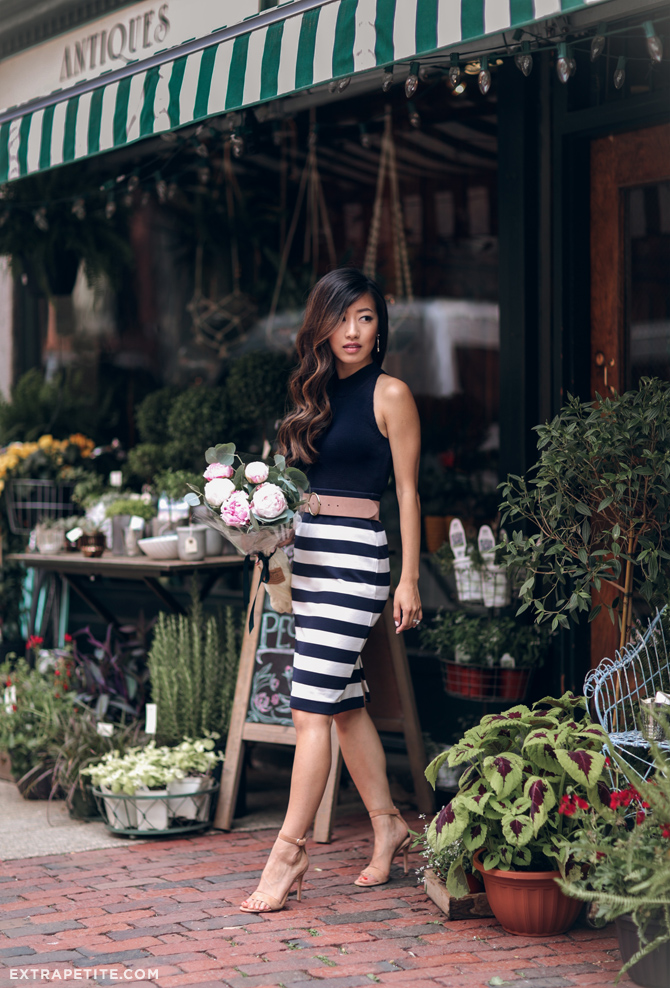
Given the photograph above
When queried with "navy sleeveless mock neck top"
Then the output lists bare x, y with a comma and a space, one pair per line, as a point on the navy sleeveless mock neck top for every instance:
354, 457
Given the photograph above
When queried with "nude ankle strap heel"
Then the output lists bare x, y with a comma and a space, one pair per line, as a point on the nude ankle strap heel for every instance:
403, 846
270, 903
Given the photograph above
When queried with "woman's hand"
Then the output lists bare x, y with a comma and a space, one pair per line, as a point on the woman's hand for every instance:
407, 610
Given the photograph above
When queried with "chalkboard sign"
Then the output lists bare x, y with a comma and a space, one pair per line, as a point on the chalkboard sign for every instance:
261, 711
273, 670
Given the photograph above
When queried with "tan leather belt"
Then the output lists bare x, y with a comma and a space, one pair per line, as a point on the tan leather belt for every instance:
344, 507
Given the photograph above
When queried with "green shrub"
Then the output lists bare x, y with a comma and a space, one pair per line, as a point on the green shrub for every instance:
152, 415
193, 667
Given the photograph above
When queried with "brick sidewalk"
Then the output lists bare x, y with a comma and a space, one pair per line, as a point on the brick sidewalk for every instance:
171, 906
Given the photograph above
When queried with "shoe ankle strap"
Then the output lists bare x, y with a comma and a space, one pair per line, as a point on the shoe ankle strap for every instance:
392, 812
298, 841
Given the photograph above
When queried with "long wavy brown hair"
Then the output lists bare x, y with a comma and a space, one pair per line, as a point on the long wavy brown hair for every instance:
311, 413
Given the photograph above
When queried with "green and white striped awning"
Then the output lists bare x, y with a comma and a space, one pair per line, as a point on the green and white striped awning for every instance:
285, 50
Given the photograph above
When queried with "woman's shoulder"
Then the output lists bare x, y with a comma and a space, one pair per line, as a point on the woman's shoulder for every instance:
393, 389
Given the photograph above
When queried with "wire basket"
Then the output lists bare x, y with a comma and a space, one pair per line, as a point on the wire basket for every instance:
31, 501
156, 813
485, 683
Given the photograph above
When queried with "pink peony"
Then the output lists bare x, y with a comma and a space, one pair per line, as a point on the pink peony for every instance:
257, 472
268, 502
218, 490
235, 511
217, 470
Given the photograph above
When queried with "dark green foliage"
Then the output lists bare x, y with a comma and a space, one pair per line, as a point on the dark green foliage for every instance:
152, 415
50, 257
198, 418
598, 497
37, 407
257, 389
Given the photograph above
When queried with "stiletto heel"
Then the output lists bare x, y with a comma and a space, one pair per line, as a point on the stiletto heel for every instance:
402, 846
272, 904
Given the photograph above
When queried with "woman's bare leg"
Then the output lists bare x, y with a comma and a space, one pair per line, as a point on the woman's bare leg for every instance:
311, 766
365, 759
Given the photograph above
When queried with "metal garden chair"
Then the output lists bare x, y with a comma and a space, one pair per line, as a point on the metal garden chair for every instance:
618, 685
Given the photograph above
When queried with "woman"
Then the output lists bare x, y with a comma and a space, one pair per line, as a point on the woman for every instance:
349, 424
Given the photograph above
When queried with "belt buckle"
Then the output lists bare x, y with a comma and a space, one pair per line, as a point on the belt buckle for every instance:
309, 504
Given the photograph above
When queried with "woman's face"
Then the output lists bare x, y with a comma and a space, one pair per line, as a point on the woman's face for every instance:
355, 338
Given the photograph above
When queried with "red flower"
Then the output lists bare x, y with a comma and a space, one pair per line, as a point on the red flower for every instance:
581, 803
639, 817
645, 805
607, 761
64, 686
666, 830
34, 641
8, 682
57, 695
600, 854
68, 639
568, 809
14, 707
56, 672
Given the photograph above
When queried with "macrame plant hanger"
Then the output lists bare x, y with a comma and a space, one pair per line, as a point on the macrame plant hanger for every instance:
388, 168
316, 222
219, 322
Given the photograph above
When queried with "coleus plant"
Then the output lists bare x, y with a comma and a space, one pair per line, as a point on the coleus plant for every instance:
525, 766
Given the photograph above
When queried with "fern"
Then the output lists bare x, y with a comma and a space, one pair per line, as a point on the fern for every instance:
193, 667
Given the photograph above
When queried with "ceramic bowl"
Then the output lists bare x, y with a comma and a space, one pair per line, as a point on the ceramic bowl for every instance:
160, 547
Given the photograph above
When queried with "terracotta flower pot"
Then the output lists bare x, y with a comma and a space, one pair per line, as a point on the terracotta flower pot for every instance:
528, 903
652, 970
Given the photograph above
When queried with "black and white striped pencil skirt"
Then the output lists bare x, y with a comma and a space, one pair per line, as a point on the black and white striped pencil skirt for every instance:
340, 585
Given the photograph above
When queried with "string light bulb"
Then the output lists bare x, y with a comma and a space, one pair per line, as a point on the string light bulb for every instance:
161, 189
598, 42
524, 60
387, 79
40, 217
110, 207
654, 44
412, 80
484, 76
454, 70
79, 209
620, 72
366, 140
414, 118
203, 175
563, 63
237, 144
133, 183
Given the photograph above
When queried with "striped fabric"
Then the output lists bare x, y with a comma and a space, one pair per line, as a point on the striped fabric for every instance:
340, 586
275, 54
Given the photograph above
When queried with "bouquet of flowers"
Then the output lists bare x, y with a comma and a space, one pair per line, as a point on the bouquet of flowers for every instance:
253, 505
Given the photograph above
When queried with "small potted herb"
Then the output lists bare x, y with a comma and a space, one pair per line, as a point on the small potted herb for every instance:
92, 542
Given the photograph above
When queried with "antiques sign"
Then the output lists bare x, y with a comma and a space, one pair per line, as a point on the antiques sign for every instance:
128, 35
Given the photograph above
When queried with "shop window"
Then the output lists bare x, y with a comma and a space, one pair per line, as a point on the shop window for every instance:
647, 264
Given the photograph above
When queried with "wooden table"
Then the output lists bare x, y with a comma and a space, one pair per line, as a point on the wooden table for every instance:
78, 572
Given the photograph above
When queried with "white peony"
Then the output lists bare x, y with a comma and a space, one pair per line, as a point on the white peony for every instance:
256, 472
217, 491
268, 502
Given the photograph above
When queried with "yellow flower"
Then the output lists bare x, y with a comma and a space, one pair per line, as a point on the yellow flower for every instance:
44, 442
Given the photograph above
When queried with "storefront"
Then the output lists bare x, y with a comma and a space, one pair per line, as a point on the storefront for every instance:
527, 152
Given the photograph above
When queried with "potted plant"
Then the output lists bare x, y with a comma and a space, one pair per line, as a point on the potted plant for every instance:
194, 762
92, 543
35, 705
597, 502
84, 744
622, 845
142, 773
526, 766
121, 511
484, 656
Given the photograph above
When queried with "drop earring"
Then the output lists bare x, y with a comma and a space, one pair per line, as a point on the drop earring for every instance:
377, 342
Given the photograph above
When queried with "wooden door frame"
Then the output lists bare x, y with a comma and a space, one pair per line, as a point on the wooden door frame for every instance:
618, 162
